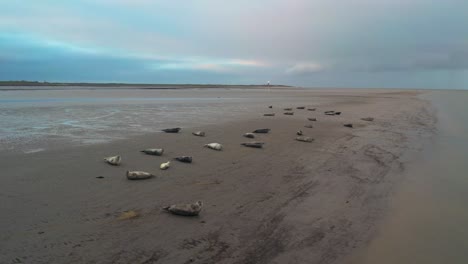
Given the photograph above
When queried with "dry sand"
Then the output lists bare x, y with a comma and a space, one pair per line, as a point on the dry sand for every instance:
290, 202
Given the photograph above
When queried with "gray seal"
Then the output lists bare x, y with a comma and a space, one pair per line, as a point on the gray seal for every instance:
139, 175
192, 209
172, 130
305, 139
261, 131
153, 151
253, 144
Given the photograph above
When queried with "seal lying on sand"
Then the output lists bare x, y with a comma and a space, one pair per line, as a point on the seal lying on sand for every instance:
215, 146
138, 175
186, 159
287, 109
114, 160
249, 135
165, 166
199, 133
269, 114
312, 119
289, 113
192, 209
153, 151
172, 130
368, 119
261, 131
300, 107
299, 133
309, 126
253, 144
348, 125
337, 113
270, 106
330, 112
311, 109
305, 139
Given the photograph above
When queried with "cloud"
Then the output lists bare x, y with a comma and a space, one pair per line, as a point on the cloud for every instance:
305, 68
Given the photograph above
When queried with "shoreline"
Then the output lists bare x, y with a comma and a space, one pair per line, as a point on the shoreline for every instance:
291, 202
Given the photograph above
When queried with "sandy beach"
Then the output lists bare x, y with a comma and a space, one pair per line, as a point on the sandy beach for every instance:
289, 202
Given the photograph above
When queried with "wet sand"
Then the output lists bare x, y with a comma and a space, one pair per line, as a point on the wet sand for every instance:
290, 202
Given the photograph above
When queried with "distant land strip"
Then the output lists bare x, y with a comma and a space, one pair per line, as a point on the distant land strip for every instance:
124, 85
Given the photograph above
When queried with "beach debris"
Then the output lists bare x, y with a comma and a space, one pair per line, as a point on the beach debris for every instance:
289, 113
138, 175
253, 144
249, 135
153, 151
311, 109
309, 126
172, 130
269, 114
299, 133
330, 112
192, 209
304, 139
198, 133
348, 125
262, 131
165, 166
287, 109
128, 215
186, 159
312, 119
114, 160
270, 106
300, 107
368, 119
215, 146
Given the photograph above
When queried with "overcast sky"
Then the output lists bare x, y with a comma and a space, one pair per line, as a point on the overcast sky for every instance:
314, 43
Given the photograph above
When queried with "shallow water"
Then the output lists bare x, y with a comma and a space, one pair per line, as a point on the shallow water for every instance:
428, 222
36, 120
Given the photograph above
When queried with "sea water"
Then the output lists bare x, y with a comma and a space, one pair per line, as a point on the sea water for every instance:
428, 219
34, 120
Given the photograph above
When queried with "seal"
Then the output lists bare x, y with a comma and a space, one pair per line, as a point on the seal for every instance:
198, 133
311, 109
300, 107
337, 113
138, 175
186, 159
269, 114
192, 209
312, 119
253, 144
287, 109
172, 130
330, 112
153, 151
215, 146
261, 131
165, 166
299, 132
368, 119
289, 113
304, 139
270, 106
114, 160
309, 126
348, 125
249, 135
